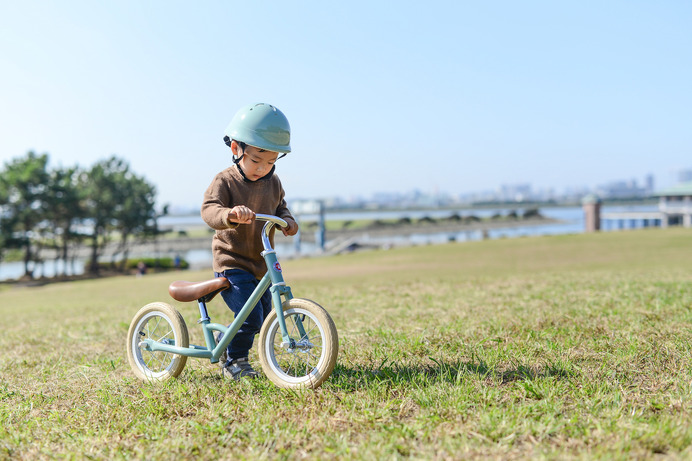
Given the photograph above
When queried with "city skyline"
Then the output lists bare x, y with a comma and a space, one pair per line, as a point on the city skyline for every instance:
516, 192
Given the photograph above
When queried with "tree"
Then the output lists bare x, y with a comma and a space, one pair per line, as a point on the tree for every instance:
64, 210
4, 217
135, 213
115, 200
23, 186
99, 186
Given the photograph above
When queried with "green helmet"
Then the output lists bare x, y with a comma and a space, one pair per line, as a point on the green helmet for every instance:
262, 126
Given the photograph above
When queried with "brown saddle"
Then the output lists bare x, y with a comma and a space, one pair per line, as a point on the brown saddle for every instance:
197, 291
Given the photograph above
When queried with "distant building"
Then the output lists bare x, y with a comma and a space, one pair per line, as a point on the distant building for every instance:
649, 184
676, 205
684, 176
623, 189
515, 192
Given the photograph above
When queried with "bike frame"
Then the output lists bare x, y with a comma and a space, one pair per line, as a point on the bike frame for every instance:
273, 280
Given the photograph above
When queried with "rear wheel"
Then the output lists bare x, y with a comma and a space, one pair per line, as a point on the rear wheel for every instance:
162, 323
316, 345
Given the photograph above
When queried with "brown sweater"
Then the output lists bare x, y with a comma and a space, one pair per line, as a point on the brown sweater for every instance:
238, 246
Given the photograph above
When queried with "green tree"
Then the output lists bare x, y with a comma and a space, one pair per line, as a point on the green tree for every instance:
100, 188
23, 186
115, 200
135, 213
4, 217
64, 210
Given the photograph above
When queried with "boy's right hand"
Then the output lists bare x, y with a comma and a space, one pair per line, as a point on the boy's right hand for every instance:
241, 215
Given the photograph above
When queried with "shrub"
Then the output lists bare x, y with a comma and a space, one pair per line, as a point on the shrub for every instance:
151, 263
532, 213
426, 219
156, 263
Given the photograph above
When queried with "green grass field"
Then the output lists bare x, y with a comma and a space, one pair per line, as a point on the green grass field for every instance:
553, 347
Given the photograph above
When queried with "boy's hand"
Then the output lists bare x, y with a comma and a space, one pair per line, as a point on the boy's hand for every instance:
241, 214
292, 228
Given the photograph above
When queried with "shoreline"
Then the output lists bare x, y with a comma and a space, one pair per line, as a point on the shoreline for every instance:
386, 234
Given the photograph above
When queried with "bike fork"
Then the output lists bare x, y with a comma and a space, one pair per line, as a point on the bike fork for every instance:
278, 289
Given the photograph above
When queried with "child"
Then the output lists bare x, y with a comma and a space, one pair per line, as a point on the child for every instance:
257, 135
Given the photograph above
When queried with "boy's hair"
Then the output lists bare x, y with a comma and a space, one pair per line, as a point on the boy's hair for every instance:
228, 141
243, 145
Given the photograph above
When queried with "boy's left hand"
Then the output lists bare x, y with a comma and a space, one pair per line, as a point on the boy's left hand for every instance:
292, 228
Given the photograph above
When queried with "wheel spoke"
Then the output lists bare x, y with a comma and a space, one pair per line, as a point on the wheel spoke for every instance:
148, 362
307, 333
158, 320
294, 327
169, 332
162, 361
293, 363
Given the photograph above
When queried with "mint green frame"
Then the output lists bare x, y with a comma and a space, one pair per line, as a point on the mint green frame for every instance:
273, 280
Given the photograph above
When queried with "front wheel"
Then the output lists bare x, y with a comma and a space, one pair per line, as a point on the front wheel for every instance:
311, 357
162, 323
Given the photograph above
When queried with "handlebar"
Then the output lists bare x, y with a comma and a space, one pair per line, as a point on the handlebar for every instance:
270, 222
271, 219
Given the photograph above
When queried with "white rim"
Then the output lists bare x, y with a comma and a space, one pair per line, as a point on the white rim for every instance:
139, 358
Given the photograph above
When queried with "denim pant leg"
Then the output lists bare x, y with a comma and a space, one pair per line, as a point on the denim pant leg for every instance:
242, 285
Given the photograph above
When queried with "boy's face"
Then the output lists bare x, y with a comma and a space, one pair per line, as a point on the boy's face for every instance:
256, 163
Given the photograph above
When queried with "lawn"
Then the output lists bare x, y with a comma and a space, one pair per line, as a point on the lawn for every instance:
574, 346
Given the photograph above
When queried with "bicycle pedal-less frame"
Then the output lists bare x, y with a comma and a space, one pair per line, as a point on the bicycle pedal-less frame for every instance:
298, 342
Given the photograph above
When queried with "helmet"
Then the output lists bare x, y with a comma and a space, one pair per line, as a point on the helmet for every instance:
262, 126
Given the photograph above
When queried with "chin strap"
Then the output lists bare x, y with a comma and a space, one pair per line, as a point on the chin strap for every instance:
242, 173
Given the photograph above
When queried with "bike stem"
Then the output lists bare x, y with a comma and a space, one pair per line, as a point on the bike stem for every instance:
278, 285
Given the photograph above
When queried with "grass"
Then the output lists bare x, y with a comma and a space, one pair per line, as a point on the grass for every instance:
572, 347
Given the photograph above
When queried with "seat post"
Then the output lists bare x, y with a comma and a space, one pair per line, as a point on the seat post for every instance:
204, 320
204, 315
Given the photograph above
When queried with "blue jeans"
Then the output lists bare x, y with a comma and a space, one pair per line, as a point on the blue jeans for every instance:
243, 284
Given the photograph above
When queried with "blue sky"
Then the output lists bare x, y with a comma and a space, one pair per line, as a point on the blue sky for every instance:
452, 96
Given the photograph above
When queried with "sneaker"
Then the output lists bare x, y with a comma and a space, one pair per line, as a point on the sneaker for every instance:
239, 368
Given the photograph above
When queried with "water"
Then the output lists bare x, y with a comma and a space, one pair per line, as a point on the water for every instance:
198, 259
571, 222
15, 269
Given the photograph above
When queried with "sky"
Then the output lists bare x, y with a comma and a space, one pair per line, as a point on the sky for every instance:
437, 96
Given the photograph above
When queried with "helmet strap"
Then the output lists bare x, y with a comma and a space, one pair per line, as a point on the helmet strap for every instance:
242, 173
241, 145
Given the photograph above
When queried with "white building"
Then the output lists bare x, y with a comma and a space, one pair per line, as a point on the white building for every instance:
676, 205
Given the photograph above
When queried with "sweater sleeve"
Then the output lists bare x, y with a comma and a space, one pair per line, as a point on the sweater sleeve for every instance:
282, 210
216, 205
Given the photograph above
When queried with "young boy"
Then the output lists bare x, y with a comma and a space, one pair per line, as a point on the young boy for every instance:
257, 135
